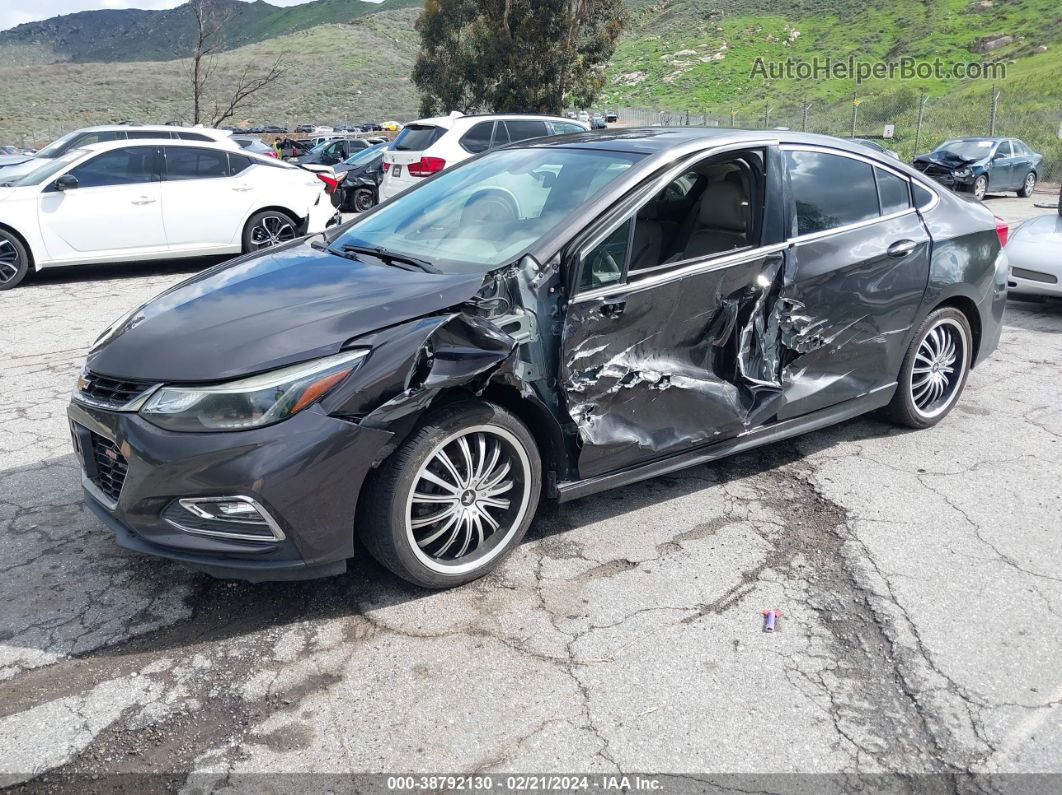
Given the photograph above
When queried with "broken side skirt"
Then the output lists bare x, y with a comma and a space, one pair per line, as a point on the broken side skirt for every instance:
875, 399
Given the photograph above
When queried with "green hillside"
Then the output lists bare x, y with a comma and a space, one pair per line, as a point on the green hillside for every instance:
139, 35
349, 72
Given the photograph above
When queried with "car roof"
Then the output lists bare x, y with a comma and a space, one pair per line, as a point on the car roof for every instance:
104, 146
153, 128
450, 121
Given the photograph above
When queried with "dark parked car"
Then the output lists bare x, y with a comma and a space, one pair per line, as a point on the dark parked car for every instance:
330, 152
545, 320
360, 177
611, 116
979, 165
274, 129
306, 128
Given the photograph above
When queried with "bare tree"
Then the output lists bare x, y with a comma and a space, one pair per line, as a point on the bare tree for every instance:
210, 24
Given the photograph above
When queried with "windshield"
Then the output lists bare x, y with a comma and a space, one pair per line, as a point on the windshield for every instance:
364, 154
485, 213
968, 150
45, 170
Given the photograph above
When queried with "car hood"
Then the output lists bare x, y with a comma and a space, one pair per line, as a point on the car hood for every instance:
945, 158
1037, 240
268, 310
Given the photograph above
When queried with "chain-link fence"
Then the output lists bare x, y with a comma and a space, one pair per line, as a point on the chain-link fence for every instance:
908, 124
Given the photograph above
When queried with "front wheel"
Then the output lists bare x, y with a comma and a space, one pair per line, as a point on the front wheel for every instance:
980, 187
934, 370
267, 229
455, 498
1028, 185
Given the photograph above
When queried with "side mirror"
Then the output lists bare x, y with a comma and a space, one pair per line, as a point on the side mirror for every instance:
66, 182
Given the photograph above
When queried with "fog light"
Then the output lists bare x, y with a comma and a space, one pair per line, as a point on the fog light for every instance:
239, 517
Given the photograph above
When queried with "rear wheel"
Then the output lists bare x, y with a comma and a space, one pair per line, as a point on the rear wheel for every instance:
267, 229
364, 200
455, 498
934, 370
1028, 185
14, 261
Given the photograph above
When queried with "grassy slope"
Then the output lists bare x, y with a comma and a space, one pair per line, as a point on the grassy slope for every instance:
348, 72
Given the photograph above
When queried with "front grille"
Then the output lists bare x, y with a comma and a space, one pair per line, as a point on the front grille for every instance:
1034, 276
936, 171
110, 467
109, 392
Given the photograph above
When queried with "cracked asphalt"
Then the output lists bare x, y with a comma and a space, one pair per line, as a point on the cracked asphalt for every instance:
917, 573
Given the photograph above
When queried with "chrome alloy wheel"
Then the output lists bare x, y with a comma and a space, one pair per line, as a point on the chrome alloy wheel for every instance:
468, 499
272, 230
10, 261
980, 187
939, 367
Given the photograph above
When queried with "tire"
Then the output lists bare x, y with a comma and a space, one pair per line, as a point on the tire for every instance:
447, 546
267, 229
980, 187
14, 261
1028, 186
926, 390
363, 201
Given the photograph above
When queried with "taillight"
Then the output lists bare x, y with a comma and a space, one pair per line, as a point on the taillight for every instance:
386, 166
426, 166
1002, 230
330, 183
271, 153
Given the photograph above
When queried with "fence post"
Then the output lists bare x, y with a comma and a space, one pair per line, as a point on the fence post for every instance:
805, 107
766, 115
921, 113
855, 113
992, 117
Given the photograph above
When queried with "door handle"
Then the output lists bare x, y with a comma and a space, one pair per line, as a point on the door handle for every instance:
144, 200
901, 248
242, 188
613, 307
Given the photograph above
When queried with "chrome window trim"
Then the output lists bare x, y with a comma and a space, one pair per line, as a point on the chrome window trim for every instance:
656, 186
694, 268
827, 150
837, 230
189, 503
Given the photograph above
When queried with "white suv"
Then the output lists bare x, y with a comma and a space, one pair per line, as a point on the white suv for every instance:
116, 132
426, 147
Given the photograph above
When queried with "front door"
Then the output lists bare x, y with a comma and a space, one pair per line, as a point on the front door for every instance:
666, 344
859, 271
115, 210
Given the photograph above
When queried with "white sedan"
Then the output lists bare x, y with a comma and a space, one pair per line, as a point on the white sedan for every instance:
163, 199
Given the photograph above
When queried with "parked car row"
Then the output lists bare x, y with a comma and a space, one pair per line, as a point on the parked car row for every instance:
124, 193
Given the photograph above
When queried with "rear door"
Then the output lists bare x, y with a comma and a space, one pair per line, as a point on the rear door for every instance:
206, 194
114, 211
860, 268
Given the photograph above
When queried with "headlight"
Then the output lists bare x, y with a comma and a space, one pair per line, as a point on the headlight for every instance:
250, 402
962, 173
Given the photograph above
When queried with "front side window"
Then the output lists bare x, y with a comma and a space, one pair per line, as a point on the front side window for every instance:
1004, 149
187, 136
188, 163
486, 212
129, 166
830, 191
604, 264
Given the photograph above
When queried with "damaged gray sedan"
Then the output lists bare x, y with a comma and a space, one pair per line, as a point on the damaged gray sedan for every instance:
544, 321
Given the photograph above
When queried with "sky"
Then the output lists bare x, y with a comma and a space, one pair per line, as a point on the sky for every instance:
15, 12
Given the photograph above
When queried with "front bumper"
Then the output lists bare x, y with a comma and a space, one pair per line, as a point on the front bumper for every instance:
307, 472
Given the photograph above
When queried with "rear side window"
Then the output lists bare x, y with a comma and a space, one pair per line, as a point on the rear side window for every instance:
923, 197
892, 192
147, 134
830, 191
238, 164
477, 139
186, 136
521, 130
188, 163
417, 137
129, 166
